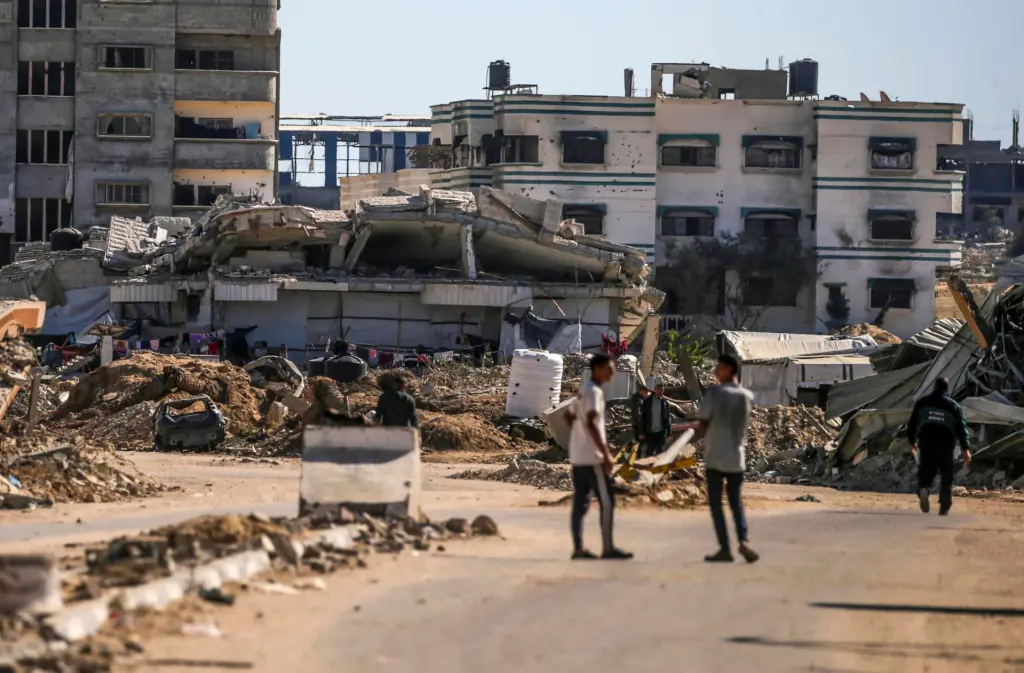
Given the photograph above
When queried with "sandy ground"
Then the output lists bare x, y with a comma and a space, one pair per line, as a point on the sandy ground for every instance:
856, 583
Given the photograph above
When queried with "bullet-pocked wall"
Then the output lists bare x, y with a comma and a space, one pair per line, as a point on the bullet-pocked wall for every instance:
879, 194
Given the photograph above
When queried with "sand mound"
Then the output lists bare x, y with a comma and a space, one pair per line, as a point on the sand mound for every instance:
462, 432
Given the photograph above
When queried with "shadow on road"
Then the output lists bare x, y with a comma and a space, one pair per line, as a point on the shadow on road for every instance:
933, 609
947, 651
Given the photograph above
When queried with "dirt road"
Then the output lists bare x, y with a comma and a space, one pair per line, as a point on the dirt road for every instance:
854, 584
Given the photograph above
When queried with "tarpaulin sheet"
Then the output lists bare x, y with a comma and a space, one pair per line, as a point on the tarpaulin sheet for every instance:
81, 309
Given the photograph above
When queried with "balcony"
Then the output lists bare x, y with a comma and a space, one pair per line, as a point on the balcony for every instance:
222, 154
242, 17
226, 85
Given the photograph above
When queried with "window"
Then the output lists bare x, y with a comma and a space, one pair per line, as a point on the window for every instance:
583, 147
894, 226
774, 230
892, 154
125, 58
47, 14
520, 150
727, 94
204, 59
766, 291
772, 154
591, 217
40, 146
198, 195
948, 225
122, 194
36, 219
689, 155
216, 124
124, 125
46, 78
687, 223
891, 292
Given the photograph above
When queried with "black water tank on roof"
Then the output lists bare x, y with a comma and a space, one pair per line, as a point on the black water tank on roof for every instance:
803, 78
346, 368
317, 367
499, 76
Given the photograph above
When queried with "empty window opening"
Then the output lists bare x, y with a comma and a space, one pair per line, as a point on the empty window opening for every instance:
125, 126
127, 58
36, 219
583, 147
687, 223
892, 227
950, 225
208, 193
40, 146
520, 149
46, 78
767, 291
47, 14
122, 193
772, 155
772, 230
591, 217
891, 293
892, 155
689, 155
198, 195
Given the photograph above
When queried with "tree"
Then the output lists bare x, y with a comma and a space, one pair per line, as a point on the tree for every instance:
432, 156
736, 276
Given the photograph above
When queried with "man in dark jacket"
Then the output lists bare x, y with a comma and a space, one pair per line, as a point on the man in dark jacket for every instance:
655, 421
935, 426
396, 407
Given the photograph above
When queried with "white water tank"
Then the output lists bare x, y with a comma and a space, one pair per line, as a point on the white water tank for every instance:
534, 384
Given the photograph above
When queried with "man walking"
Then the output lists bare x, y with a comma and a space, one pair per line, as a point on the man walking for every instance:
396, 407
656, 422
592, 461
935, 426
724, 415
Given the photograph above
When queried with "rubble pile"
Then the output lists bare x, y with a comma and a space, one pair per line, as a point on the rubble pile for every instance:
118, 400
684, 490
38, 474
525, 472
776, 429
462, 432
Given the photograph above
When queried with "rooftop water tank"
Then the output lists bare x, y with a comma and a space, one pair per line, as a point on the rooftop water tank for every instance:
499, 76
803, 78
534, 383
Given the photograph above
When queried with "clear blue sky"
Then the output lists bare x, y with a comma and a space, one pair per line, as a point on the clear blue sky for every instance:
401, 56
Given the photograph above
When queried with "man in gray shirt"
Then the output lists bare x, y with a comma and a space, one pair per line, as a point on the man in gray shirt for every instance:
724, 415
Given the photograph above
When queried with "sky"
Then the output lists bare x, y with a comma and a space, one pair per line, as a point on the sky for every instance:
405, 55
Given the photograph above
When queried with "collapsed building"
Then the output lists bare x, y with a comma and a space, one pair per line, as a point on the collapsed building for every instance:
436, 270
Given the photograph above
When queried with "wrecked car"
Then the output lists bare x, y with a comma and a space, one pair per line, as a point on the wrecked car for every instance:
190, 423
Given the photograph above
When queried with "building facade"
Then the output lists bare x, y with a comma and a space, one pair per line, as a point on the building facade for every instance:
728, 153
138, 109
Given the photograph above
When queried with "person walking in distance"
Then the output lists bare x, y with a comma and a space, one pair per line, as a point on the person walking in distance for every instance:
724, 415
396, 407
656, 421
592, 461
935, 426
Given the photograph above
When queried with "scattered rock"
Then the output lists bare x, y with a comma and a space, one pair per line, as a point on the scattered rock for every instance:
485, 526
527, 473
806, 497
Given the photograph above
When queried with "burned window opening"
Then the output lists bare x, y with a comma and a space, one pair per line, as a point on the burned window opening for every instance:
687, 223
591, 217
184, 195
837, 306
212, 129
764, 291
892, 156
579, 147
689, 156
887, 293
772, 155
520, 149
892, 227
126, 58
125, 125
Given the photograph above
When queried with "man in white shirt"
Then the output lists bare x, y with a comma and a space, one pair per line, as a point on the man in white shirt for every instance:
592, 461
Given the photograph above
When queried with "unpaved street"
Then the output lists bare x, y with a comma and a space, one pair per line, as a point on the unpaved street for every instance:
856, 583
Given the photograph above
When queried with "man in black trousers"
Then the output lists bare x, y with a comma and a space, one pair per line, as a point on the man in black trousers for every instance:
936, 424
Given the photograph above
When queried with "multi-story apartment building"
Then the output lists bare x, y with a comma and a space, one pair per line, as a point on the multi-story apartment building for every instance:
736, 151
134, 108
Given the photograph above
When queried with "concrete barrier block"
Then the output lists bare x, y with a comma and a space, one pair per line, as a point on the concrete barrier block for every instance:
230, 569
80, 621
361, 467
158, 594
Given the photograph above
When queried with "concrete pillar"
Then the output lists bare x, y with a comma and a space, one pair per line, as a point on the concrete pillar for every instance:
357, 248
468, 253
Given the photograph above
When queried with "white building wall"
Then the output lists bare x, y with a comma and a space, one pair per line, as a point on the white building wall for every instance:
848, 190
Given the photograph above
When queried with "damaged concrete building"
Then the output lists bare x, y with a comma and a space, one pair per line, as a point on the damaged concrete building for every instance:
435, 270
713, 152
138, 109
